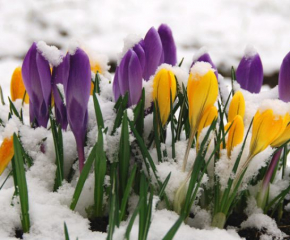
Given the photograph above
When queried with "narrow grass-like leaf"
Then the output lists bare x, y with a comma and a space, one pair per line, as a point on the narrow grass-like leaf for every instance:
172, 128
83, 177
173, 230
9, 174
124, 155
14, 111
120, 112
132, 219
98, 113
126, 194
21, 183
100, 172
97, 83
179, 65
164, 185
2, 96
139, 114
233, 78
58, 145
66, 232
157, 132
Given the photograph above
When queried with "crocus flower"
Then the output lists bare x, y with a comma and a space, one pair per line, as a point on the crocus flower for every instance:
37, 80
202, 92
250, 72
284, 79
237, 106
6, 153
157, 47
236, 134
128, 78
77, 93
207, 118
17, 88
59, 76
164, 82
203, 56
283, 138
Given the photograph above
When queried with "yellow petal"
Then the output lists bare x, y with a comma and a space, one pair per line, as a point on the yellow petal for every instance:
164, 82
237, 106
283, 138
17, 88
202, 92
207, 118
236, 134
266, 129
6, 153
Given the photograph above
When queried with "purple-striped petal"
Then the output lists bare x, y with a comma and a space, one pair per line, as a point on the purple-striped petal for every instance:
284, 79
168, 45
116, 88
138, 49
135, 79
153, 52
250, 73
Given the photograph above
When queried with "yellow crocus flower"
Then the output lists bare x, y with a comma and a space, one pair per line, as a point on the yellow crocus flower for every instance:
207, 118
17, 88
237, 106
266, 129
202, 92
236, 134
6, 153
283, 138
164, 82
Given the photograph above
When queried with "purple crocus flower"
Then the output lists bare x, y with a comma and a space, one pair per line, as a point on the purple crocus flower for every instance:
77, 93
168, 45
37, 80
59, 76
142, 60
250, 72
204, 57
284, 79
128, 78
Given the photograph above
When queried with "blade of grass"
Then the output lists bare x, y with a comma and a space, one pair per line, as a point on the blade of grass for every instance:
2, 96
21, 183
66, 232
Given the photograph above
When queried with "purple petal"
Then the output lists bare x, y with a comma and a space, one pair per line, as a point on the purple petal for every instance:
250, 73
153, 52
135, 80
138, 49
123, 73
116, 88
284, 79
78, 93
37, 81
168, 44
206, 58
60, 76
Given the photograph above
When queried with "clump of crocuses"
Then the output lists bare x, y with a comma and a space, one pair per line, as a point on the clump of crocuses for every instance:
141, 61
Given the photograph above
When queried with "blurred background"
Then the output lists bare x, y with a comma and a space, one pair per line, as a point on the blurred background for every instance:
224, 27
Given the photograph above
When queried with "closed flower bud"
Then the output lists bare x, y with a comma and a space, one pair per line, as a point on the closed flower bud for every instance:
37, 80
236, 134
237, 106
164, 82
266, 129
17, 88
284, 79
6, 153
250, 71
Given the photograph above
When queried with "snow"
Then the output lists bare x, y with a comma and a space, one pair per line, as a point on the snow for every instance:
129, 42
250, 51
50, 53
201, 68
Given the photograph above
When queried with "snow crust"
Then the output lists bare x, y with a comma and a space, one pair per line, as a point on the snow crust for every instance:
201, 68
50, 53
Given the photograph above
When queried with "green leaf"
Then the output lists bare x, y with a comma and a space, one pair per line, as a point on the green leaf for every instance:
127, 192
83, 177
14, 111
2, 96
97, 83
179, 65
100, 172
172, 127
139, 114
124, 155
132, 219
120, 112
98, 112
66, 232
21, 184
164, 185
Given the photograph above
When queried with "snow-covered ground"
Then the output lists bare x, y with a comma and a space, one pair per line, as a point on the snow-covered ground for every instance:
225, 27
